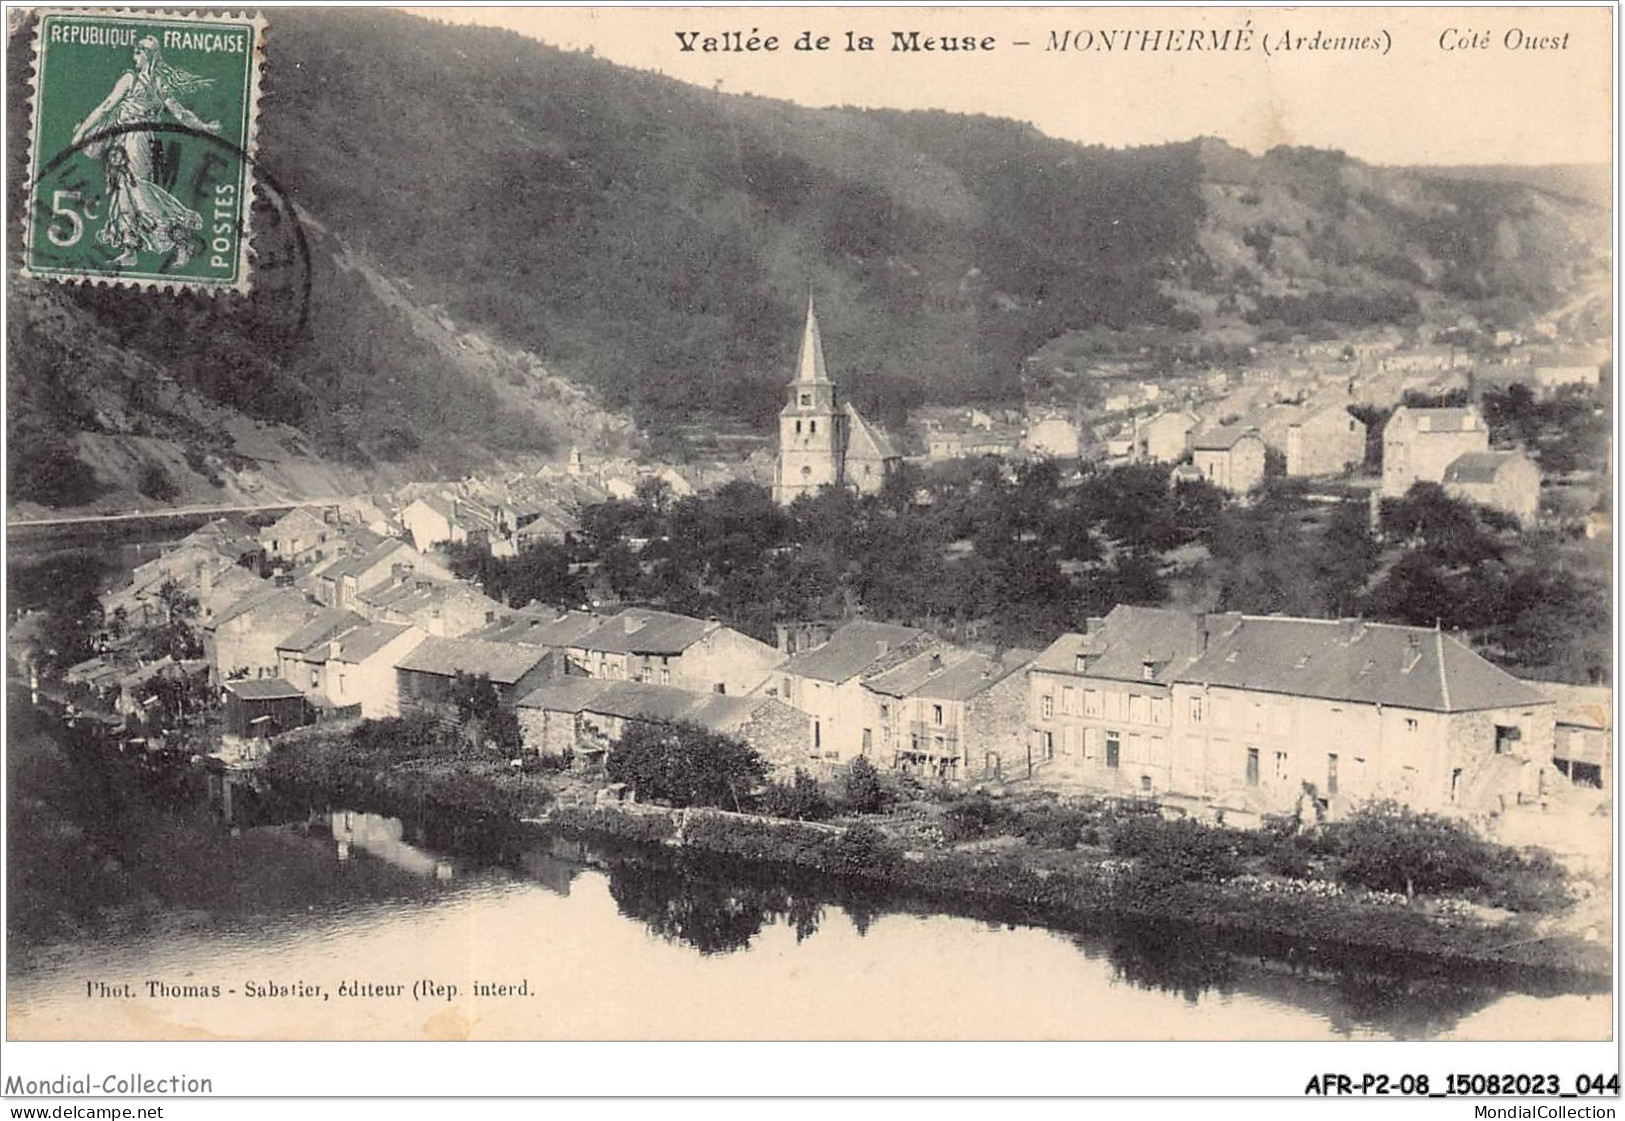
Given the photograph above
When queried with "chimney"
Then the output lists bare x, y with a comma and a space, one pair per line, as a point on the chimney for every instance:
1093, 624
936, 660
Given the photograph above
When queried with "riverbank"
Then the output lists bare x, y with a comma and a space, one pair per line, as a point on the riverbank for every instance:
1065, 887
1047, 880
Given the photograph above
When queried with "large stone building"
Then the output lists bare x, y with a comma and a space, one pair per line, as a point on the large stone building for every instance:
823, 441
1229, 458
1418, 445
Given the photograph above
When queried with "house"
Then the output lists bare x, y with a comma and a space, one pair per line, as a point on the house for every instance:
641, 644
302, 655
1231, 458
1583, 747
541, 626
1326, 441
426, 675
948, 714
1419, 444
1506, 481
1054, 436
1101, 703
295, 537
1550, 378
438, 519
587, 715
1345, 711
341, 583
361, 675
826, 683
241, 640
1166, 436
231, 537
443, 608
262, 709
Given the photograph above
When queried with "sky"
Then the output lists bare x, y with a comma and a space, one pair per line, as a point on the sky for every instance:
1445, 85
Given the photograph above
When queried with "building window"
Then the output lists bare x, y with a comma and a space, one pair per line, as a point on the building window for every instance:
1139, 709
1046, 744
1280, 766
806, 471
665, 675
1506, 739
1069, 699
818, 735
798, 428
806, 399
1114, 750
885, 713
1145, 784
1410, 724
720, 687
315, 678
812, 427
868, 740
1091, 702
936, 714
1046, 706
1252, 766
1331, 774
787, 688
1148, 671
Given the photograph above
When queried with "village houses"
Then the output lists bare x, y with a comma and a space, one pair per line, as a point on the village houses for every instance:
641, 644
296, 537
826, 682
947, 713
361, 677
1165, 437
426, 677
241, 640
302, 655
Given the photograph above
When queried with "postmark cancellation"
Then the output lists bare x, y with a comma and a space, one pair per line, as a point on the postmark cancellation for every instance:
141, 148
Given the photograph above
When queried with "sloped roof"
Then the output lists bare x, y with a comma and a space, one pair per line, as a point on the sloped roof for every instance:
267, 595
503, 662
371, 555
264, 689
320, 630
294, 519
851, 650
642, 630
528, 629
1125, 641
1223, 438
1480, 467
1364, 663
865, 440
363, 642
810, 368
1441, 420
948, 675
641, 700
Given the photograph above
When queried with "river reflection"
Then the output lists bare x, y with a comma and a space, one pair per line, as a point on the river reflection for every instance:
231, 881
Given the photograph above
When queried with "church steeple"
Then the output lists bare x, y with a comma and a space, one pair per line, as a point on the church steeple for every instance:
810, 368
812, 425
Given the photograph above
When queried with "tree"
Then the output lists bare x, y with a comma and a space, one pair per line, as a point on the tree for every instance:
481, 711
653, 492
686, 764
861, 789
1389, 847
174, 635
800, 799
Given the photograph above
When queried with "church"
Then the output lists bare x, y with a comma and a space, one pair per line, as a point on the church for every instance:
824, 441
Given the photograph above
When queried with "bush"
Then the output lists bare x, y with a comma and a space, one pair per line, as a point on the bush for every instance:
686, 765
1169, 852
971, 818
156, 484
861, 791
862, 850
799, 799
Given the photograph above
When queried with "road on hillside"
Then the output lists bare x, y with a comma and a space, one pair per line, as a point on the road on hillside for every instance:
176, 512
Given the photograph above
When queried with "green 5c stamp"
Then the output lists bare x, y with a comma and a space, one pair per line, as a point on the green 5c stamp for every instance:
141, 143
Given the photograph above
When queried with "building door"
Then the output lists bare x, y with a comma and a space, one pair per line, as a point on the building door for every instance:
1252, 766
1114, 749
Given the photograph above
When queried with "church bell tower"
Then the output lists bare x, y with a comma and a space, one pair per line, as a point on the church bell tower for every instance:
812, 425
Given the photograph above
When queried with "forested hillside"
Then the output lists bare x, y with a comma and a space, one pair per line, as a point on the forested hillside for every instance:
656, 243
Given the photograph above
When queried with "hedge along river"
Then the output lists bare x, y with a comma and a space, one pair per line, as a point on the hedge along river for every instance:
315, 921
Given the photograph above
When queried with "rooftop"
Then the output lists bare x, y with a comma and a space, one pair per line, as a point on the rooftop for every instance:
1480, 467
263, 689
315, 635
1120, 646
851, 650
642, 630
1221, 439
363, 642
503, 662
1356, 661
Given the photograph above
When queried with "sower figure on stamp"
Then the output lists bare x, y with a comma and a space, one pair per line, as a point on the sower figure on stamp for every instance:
141, 215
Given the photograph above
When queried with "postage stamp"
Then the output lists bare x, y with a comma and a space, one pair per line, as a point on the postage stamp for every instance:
141, 143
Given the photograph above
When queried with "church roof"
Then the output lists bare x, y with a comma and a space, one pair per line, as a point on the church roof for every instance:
865, 440
810, 363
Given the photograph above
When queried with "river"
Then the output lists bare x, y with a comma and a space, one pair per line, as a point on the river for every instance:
128, 874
